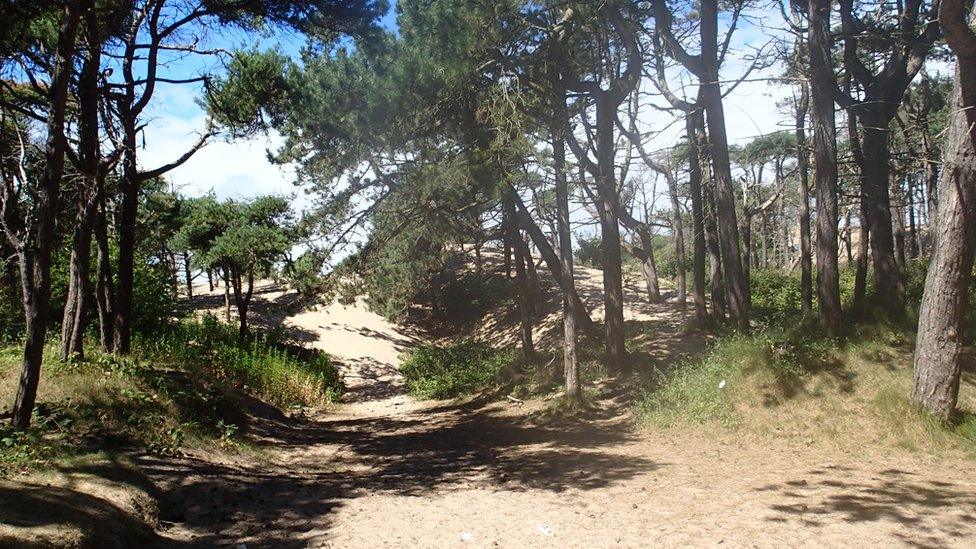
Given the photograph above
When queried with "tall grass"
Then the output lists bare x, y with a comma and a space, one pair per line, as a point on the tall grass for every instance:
267, 366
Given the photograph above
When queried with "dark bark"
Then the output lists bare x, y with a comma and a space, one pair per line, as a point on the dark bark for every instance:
35, 261
88, 194
188, 275
939, 343
822, 84
861, 272
803, 167
570, 362
226, 293
514, 237
242, 298
552, 261
884, 91
736, 282
104, 285
697, 222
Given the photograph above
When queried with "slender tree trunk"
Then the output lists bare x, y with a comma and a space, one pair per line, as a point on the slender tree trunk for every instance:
521, 282
210, 281
613, 298
679, 243
938, 349
242, 300
129, 184
697, 221
104, 286
864, 232
714, 256
898, 226
188, 274
35, 261
88, 195
79, 269
570, 363
822, 84
736, 281
568, 285
645, 253
227, 294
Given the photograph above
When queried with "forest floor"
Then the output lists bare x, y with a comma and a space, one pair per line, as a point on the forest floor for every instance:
383, 469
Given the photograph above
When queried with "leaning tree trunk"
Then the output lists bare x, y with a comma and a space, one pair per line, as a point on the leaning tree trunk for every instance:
35, 260
553, 262
941, 318
938, 348
822, 84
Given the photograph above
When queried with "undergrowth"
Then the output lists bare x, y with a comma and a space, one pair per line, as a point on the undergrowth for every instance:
186, 386
797, 385
456, 369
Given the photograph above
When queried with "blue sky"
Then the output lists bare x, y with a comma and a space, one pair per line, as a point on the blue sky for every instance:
241, 168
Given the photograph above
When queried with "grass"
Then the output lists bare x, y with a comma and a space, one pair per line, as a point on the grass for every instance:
799, 387
187, 386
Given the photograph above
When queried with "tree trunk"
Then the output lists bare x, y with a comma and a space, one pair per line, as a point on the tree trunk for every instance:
129, 184
79, 269
88, 196
822, 84
679, 243
613, 292
188, 274
35, 261
888, 285
697, 220
104, 285
861, 272
717, 287
521, 281
736, 282
227, 294
570, 363
939, 343
567, 285
645, 253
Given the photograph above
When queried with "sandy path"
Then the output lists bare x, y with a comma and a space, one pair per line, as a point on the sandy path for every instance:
385, 471
365, 345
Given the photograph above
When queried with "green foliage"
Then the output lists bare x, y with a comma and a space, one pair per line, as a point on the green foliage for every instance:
589, 252
776, 294
455, 369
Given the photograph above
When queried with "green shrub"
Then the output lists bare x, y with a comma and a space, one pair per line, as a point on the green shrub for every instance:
590, 252
448, 371
775, 294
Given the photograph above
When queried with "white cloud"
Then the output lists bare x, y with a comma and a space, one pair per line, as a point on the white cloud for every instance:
234, 169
